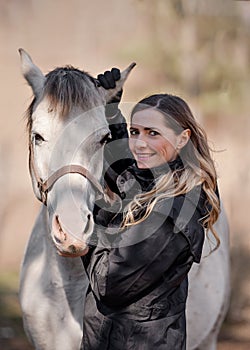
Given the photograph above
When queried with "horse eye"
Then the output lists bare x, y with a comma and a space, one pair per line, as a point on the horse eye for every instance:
105, 139
38, 139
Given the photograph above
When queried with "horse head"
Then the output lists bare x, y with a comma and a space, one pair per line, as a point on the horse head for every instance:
67, 131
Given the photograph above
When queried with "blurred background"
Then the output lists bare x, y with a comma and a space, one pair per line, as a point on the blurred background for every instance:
197, 49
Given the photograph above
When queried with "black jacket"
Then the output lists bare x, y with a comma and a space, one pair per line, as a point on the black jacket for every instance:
138, 276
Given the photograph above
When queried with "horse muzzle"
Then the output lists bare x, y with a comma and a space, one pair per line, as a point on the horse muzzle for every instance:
68, 245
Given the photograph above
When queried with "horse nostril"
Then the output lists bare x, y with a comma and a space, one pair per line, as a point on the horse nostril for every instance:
59, 235
88, 223
57, 240
73, 249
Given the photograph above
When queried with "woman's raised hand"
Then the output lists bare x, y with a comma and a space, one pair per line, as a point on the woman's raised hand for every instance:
108, 81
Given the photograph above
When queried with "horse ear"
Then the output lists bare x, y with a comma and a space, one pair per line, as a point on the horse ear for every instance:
31, 73
108, 94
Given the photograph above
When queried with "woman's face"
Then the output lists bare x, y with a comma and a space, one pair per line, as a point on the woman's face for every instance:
151, 141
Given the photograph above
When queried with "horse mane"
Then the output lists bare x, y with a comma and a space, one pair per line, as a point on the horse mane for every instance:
65, 88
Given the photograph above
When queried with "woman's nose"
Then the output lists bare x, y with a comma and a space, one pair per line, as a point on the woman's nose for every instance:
140, 143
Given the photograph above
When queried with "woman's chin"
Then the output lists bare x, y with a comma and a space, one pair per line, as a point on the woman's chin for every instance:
142, 165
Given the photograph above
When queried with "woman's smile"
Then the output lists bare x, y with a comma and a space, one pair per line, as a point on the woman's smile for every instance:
144, 155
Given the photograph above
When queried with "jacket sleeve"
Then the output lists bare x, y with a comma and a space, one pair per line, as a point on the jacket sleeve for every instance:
142, 255
187, 212
117, 154
117, 148
118, 126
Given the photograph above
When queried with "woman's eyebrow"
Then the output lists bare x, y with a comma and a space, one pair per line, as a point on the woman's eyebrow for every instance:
145, 128
151, 128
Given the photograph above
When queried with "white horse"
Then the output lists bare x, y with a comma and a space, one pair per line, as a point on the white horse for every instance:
67, 129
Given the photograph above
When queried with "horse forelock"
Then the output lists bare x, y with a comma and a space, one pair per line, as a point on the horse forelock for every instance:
66, 88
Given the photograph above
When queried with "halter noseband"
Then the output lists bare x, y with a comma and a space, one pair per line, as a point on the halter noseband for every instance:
45, 186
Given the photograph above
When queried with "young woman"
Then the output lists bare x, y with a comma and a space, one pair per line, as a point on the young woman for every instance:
138, 268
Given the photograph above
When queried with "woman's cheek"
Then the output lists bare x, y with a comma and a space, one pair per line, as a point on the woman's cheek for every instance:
131, 143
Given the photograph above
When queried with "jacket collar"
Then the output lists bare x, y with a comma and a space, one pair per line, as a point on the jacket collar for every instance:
146, 177
150, 175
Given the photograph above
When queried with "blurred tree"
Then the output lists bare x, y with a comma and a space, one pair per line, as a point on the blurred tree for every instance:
199, 46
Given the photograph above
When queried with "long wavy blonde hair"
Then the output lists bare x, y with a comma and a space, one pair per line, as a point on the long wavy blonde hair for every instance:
198, 168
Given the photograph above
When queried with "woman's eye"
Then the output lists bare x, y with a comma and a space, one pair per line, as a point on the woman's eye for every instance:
38, 139
105, 139
153, 133
133, 132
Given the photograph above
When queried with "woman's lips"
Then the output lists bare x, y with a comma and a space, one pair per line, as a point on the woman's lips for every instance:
144, 156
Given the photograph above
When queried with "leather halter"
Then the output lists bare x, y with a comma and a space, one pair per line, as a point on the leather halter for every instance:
45, 186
